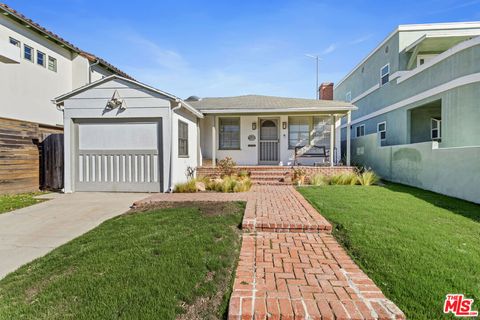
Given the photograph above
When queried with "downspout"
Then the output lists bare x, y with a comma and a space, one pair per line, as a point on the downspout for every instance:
170, 187
90, 70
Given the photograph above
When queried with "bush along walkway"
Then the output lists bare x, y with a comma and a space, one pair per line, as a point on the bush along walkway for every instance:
290, 266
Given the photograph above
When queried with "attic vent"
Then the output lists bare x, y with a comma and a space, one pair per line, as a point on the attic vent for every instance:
193, 98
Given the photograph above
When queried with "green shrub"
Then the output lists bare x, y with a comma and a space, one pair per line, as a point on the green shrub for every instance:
319, 179
243, 174
345, 178
226, 166
243, 185
186, 187
368, 178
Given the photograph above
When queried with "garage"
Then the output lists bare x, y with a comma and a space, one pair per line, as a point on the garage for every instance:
123, 136
118, 156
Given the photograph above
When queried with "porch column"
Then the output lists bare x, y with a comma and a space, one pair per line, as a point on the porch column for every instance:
349, 124
214, 141
332, 139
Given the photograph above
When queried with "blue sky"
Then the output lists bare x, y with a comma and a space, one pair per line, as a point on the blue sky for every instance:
230, 47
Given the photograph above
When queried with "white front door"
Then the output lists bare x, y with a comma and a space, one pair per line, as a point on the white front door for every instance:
269, 136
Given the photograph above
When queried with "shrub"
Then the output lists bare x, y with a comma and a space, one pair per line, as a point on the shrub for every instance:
243, 174
319, 179
242, 185
188, 186
368, 178
226, 167
345, 178
299, 176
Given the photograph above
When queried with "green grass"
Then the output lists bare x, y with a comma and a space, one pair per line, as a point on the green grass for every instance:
416, 245
146, 265
17, 201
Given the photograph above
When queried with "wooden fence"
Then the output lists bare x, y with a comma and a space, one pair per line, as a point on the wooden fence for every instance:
21, 155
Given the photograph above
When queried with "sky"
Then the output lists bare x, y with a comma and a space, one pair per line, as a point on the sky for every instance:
235, 47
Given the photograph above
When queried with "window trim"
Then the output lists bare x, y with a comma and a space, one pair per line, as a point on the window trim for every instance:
239, 133
384, 130
439, 129
56, 64
32, 53
181, 155
348, 96
356, 130
386, 75
44, 56
17, 42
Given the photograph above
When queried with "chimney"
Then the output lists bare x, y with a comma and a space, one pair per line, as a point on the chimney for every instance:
325, 92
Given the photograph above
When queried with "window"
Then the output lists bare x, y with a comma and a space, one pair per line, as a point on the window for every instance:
15, 42
229, 133
298, 131
40, 58
436, 129
52, 64
348, 96
382, 130
28, 53
182, 139
384, 74
360, 131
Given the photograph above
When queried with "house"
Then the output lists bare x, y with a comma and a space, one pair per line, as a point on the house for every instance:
122, 135
418, 96
35, 65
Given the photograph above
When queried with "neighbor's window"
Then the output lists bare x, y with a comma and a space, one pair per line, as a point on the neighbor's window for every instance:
40, 58
182, 139
229, 133
436, 129
52, 64
28, 53
360, 131
298, 131
348, 96
382, 130
15, 42
384, 74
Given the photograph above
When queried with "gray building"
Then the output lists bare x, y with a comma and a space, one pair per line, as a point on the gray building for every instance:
418, 96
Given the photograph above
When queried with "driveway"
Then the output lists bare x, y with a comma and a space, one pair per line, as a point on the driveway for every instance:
31, 232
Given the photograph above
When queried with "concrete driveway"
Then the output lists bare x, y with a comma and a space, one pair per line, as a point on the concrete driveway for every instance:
31, 232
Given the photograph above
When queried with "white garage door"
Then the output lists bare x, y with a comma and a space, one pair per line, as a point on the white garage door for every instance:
118, 156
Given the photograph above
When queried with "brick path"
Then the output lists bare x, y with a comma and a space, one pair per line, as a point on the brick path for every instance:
290, 267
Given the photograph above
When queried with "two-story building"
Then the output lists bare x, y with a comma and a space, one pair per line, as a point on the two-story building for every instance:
418, 114
36, 65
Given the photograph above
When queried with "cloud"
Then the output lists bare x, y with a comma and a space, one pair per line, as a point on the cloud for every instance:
360, 39
330, 49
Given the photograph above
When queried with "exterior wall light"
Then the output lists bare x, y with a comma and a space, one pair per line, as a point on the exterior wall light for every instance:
284, 125
254, 126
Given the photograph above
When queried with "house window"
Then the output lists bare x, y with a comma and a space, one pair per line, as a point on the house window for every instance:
28, 53
360, 131
298, 131
436, 129
382, 130
229, 134
40, 58
348, 96
182, 139
384, 74
15, 42
52, 64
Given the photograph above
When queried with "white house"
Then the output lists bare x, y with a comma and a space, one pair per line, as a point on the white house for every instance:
122, 135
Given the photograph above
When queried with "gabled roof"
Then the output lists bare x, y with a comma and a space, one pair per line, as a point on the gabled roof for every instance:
29, 23
58, 100
259, 103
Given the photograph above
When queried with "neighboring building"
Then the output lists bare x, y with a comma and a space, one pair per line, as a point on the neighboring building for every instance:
35, 66
122, 135
418, 114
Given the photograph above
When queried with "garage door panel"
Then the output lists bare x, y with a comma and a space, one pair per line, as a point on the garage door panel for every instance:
103, 168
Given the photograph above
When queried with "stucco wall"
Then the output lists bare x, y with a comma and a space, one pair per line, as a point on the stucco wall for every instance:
450, 171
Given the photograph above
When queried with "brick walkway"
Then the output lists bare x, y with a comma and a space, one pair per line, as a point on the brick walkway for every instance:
290, 267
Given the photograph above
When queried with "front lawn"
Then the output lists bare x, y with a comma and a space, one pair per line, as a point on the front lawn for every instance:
164, 263
17, 201
416, 245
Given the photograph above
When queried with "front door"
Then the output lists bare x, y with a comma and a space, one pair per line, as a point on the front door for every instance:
268, 141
